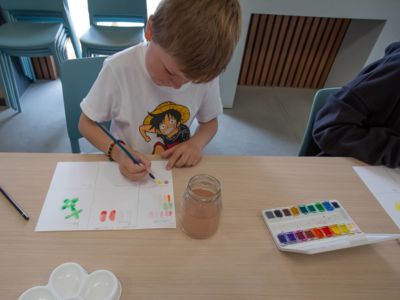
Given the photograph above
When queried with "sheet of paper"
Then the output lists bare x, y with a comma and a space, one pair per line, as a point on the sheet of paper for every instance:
384, 184
95, 196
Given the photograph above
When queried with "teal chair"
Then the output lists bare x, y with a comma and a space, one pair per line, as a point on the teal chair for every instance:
308, 147
78, 76
107, 40
23, 39
42, 11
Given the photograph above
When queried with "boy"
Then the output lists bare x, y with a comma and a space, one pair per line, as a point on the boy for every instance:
362, 120
190, 42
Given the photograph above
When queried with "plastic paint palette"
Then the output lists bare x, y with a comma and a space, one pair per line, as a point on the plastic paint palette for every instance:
70, 281
317, 227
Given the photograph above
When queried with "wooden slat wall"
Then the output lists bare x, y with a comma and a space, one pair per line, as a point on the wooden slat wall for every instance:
291, 51
44, 67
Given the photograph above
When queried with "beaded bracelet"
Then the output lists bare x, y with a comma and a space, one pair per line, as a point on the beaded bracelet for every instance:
111, 147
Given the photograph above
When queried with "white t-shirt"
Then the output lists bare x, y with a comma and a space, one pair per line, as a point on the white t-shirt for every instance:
139, 109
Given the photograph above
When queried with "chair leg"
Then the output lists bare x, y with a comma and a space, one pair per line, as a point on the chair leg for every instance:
75, 44
75, 146
85, 51
59, 51
69, 27
64, 49
27, 68
10, 85
9, 101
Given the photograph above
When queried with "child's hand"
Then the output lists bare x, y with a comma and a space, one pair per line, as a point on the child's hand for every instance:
128, 168
186, 154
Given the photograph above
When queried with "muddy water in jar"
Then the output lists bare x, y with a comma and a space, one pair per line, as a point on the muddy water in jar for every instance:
201, 207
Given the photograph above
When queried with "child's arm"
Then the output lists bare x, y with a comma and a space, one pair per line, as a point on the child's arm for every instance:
189, 153
101, 141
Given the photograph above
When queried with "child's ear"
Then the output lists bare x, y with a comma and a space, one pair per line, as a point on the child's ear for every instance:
148, 33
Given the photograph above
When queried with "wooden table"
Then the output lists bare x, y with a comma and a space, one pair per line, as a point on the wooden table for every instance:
240, 262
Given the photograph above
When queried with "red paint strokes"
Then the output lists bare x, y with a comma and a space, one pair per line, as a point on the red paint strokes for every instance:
112, 215
103, 216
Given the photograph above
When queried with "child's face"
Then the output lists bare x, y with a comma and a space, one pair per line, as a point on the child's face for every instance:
163, 69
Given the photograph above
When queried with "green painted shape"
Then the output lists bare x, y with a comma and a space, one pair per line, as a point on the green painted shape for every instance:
70, 203
74, 214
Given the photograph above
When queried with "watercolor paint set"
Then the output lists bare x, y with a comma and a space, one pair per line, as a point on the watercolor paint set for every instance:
317, 227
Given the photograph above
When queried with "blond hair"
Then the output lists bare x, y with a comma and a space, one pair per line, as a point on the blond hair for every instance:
200, 34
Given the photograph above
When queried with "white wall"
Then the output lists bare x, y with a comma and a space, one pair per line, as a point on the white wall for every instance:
355, 51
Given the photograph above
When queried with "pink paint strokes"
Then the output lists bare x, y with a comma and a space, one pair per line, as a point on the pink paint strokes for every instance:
166, 209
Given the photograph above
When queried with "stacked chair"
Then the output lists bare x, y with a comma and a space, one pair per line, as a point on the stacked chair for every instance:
33, 29
107, 40
43, 11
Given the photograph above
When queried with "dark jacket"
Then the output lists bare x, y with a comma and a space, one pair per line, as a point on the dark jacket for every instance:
362, 120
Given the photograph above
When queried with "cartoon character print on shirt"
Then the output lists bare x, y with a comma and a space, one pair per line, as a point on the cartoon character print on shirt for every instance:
167, 122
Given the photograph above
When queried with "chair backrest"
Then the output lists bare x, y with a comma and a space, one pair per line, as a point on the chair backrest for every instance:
308, 146
78, 76
117, 11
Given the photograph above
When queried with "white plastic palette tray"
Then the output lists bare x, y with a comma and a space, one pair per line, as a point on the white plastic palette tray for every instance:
70, 281
317, 227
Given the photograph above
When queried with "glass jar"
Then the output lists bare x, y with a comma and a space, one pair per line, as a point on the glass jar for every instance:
201, 207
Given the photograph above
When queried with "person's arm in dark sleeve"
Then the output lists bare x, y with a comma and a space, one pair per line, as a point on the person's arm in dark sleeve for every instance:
362, 120
342, 128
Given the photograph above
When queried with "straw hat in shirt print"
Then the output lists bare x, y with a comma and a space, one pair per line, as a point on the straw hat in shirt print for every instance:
167, 122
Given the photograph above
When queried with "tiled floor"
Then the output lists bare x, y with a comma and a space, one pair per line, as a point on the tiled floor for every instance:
264, 121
